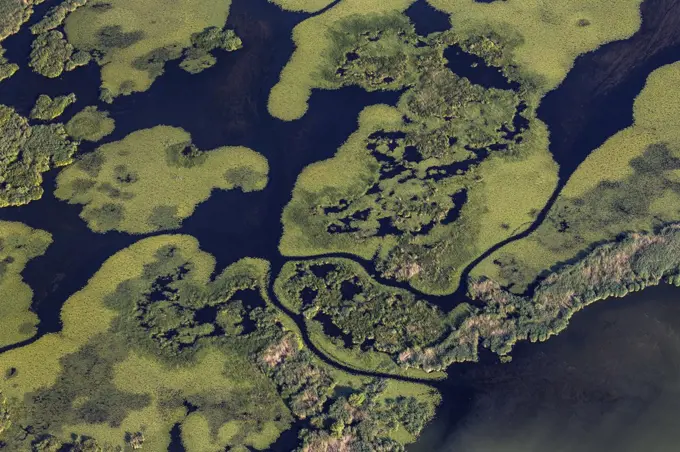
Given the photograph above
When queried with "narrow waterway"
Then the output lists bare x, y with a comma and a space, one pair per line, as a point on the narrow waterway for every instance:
226, 105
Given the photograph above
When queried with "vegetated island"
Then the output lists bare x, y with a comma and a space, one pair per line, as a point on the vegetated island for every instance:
155, 339
27, 151
153, 179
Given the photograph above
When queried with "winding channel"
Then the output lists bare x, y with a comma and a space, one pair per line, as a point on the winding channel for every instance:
228, 107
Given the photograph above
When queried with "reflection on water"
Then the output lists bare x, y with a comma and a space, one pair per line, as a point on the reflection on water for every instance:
610, 382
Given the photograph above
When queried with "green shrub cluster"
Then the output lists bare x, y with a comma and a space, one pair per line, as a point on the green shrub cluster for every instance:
199, 56
47, 109
391, 320
13, 14
25, 153
7, 69
364, 420
51, 55
614, 269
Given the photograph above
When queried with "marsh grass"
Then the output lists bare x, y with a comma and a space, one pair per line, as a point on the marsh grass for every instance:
628, 184
504, 192
18, 245
97, 380
90, 124
94, 28
548, 36
153, 179
288, 99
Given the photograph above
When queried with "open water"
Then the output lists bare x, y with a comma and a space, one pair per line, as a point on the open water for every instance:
610, 379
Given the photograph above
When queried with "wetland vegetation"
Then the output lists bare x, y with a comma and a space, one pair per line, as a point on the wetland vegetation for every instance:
440, 228
125, 189
27, 151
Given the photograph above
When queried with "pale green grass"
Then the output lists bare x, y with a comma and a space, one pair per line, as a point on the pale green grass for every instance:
135, 186
162, 24
18, 245
308, 6
289, 97
212, 380
552, 34
351, 171
584, 202
84, 315
90, 124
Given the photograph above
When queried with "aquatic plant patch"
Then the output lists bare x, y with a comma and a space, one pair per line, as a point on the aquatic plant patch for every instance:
153, 179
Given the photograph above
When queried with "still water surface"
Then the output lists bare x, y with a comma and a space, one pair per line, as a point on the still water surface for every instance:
610, 382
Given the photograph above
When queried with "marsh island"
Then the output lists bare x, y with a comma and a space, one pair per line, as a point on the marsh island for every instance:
282, 224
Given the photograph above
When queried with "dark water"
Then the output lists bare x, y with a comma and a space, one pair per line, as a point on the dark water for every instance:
427, 19
488, 406
595, 101
610, 382
598, 93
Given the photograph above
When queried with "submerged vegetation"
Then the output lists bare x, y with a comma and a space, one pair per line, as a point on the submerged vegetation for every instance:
25, 153
153, 179
47, 109
90, 124
18, 245
132, 50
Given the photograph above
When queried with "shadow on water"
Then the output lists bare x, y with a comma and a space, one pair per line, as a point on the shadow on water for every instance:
611, 381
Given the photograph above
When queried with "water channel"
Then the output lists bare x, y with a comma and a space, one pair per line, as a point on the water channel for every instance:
614, 368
